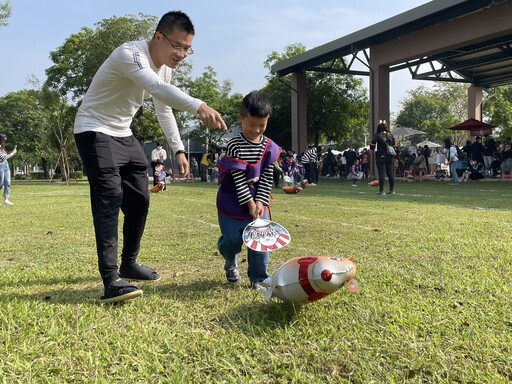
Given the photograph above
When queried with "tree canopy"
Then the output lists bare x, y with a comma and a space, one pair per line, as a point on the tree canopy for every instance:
434, 110
5, 13
337, 105
77, 60
498, 108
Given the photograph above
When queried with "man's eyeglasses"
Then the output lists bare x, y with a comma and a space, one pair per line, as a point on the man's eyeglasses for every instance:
181, 50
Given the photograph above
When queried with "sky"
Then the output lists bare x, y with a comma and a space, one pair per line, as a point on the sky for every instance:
233, 37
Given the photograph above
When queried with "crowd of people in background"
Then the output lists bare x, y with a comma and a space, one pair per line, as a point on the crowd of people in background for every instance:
479, 159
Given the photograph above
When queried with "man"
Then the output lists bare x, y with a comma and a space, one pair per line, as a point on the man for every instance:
113, 158
450, 151
427, 152
476, 150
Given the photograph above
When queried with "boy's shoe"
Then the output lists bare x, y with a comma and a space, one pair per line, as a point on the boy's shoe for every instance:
391, 192
120, 290
381, 193
233, 276
138, 272
7, 202
262, 285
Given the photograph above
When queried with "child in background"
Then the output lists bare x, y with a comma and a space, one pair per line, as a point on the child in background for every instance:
246, 179
160, 175
355, 173
289, 168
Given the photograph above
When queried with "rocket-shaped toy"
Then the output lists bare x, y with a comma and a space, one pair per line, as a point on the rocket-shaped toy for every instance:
303, 280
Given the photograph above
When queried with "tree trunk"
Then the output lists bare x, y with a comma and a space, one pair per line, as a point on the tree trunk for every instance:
64, 166
46, 171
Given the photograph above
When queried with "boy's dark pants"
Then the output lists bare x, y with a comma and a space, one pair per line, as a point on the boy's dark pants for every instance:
116, 168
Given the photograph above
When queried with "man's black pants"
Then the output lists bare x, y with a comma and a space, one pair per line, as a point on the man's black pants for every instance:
116, 168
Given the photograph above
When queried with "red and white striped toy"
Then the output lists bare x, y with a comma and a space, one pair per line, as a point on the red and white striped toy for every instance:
303, 280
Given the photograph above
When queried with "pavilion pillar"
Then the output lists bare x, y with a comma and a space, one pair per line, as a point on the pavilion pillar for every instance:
379, 99
475, 102
299, 112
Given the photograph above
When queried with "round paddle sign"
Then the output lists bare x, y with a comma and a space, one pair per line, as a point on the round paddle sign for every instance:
265, 236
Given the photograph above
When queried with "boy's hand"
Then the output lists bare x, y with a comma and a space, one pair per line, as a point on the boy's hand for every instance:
260, 209
256, 209
252, 209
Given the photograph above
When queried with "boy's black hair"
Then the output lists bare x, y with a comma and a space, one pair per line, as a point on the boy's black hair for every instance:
257, 104
175, 19
3, 139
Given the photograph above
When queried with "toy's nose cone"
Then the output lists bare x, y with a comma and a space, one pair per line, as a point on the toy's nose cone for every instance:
326, 275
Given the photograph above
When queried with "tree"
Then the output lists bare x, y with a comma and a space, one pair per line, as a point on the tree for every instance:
218, 95
5, 13
337, 105
429, 110
22, 119
78, 59
58, 124
498, 108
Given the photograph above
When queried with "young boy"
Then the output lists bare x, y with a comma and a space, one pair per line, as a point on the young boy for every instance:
246, 179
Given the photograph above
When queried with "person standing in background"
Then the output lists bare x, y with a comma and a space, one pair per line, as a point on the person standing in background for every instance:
450, 151
384, 161
5, 171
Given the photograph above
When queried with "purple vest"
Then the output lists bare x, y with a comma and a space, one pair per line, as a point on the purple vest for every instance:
227, 199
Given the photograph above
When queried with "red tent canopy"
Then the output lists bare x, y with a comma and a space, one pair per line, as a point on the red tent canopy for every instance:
471, 124
476, 127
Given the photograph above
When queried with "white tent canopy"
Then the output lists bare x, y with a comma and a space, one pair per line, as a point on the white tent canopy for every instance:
406, 131
429, 143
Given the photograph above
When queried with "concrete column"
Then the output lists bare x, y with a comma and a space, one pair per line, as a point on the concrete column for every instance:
379, 99
299, 112
475, 100
379, 96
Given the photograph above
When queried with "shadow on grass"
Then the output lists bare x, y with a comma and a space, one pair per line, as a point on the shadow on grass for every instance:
256, 317
58, 296
50, 281
257, 312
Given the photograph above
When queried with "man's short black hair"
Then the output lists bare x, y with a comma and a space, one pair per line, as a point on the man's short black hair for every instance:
175, 19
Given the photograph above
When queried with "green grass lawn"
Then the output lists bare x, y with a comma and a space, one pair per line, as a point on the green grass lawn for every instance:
434, 270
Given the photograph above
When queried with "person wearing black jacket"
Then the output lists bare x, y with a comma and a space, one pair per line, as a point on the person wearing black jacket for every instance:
384, 161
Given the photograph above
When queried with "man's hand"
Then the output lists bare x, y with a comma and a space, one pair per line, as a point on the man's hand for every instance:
183, 167
210, 117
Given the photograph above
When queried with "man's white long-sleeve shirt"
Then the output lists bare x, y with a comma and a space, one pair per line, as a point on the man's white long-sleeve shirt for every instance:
119, 88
